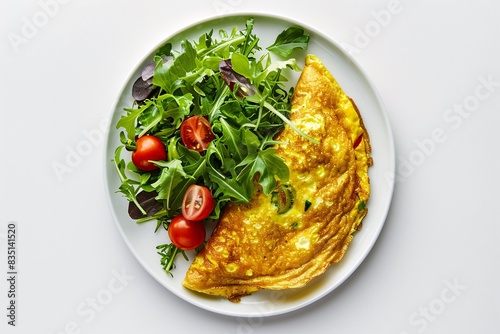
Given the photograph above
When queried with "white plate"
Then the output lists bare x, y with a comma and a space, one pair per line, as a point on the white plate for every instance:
141, 239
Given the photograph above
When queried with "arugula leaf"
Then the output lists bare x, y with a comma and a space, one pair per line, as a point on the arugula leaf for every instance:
232, 111
186, 155
164, 50
289, 40
251, 40
250, 140
127, 185
232, 138
171, 175
149, 119
228, 188
166, 73
276, 67
223, 47
129, 120
168, 253
175, 107
269, 166
242, 65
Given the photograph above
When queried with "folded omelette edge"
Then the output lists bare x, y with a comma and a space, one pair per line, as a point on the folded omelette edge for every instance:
254, 247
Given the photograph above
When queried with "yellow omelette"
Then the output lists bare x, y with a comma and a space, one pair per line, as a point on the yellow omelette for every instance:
286, 239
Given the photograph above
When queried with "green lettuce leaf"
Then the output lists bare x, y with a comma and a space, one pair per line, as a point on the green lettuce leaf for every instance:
289, 40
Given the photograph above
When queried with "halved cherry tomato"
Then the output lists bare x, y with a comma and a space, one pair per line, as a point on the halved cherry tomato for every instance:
197, 203
148, 148
196, 133
186, 234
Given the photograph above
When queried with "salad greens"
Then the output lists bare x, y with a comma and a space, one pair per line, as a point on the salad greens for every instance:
241, 91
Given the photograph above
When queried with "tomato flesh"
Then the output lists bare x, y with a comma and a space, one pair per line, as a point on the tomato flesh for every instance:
196, 133
186, 234
148, 148
197, 203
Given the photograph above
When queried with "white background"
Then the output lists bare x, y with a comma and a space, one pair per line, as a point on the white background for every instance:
434, 268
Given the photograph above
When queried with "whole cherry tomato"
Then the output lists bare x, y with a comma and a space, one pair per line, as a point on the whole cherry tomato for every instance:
186, 234
148, 148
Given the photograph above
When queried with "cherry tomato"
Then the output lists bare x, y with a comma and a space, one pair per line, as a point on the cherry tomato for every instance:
196, 133
186, 234
197, 203
148, 148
